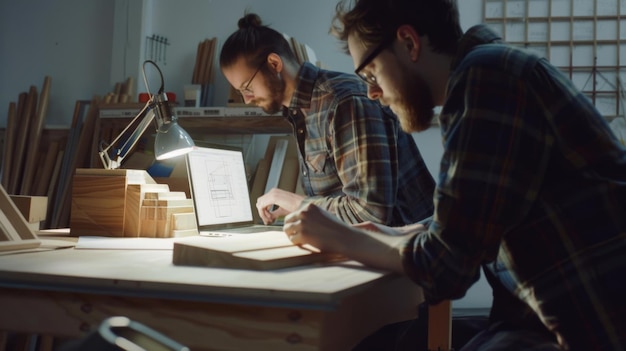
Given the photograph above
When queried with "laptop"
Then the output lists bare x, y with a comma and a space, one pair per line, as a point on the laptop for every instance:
219, 188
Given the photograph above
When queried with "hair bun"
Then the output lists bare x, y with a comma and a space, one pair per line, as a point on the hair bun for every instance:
249, 20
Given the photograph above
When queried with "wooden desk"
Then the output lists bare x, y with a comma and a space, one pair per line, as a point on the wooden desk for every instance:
69, 292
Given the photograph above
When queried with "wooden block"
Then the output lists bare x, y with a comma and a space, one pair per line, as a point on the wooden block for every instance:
164, 211
180, 233
33, 208
184, 221
260, 251
135, 194
99, 200
176, 184
14, 230
147, 226
166, 195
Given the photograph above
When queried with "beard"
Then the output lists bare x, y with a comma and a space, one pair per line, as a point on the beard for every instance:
415, 106
276, 87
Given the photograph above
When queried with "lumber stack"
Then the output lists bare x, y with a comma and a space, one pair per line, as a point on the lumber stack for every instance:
203, 70
122, 93
74, 153
36, 161
21, 156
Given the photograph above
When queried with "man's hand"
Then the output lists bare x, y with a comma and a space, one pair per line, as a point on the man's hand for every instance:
378, 248
286, 201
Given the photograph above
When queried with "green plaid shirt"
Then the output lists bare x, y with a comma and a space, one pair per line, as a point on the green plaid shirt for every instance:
355, 161
533, 188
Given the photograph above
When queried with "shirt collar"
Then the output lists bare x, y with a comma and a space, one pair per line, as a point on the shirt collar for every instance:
476, 35
305, 82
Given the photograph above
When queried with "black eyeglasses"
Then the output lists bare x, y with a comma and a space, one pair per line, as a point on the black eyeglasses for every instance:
246, 90
368, 78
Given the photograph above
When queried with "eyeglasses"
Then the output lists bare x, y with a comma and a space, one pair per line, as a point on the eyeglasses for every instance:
369, 78
246, 90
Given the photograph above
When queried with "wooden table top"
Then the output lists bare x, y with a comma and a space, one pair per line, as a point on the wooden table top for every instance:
151, 273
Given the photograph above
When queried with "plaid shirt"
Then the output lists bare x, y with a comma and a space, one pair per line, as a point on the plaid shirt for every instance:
355, 161
533, 188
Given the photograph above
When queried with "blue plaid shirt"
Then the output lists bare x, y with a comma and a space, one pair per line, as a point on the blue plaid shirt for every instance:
355, 161
533, 188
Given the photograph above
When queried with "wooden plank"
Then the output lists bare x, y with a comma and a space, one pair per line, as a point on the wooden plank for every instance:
14, 230
259, 251
258, 186
440, 326
45, 176
204, 54
9, 141
62, 180
32, 146
208, 78
76, 159
196, 66
22, 128
86, 134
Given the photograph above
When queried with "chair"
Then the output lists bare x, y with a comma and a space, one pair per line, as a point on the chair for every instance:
122, 334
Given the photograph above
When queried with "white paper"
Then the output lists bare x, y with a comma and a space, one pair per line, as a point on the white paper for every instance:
109, 243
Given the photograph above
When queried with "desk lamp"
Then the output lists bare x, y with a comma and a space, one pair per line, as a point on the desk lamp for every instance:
171, 139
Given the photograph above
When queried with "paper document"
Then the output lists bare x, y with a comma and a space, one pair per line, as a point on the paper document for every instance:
108, 243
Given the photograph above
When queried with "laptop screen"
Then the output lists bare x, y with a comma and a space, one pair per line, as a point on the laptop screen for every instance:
219, 187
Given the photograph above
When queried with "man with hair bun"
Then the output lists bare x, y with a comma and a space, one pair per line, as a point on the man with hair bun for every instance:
354, 159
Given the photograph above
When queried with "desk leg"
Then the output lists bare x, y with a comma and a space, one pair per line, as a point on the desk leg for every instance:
4, 336
440, 326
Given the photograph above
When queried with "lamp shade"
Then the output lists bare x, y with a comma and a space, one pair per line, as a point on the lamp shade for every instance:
171, 141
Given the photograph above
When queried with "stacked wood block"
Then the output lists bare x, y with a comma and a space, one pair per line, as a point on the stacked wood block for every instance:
154, 211
128, 203
33, 208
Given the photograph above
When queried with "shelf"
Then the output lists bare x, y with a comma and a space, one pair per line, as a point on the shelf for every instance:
216, 125
205, 120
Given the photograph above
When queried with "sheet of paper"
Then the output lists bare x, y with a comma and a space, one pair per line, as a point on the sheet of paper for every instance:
109, 243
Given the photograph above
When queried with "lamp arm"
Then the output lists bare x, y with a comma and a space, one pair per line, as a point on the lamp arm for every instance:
171, 140
147, 112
